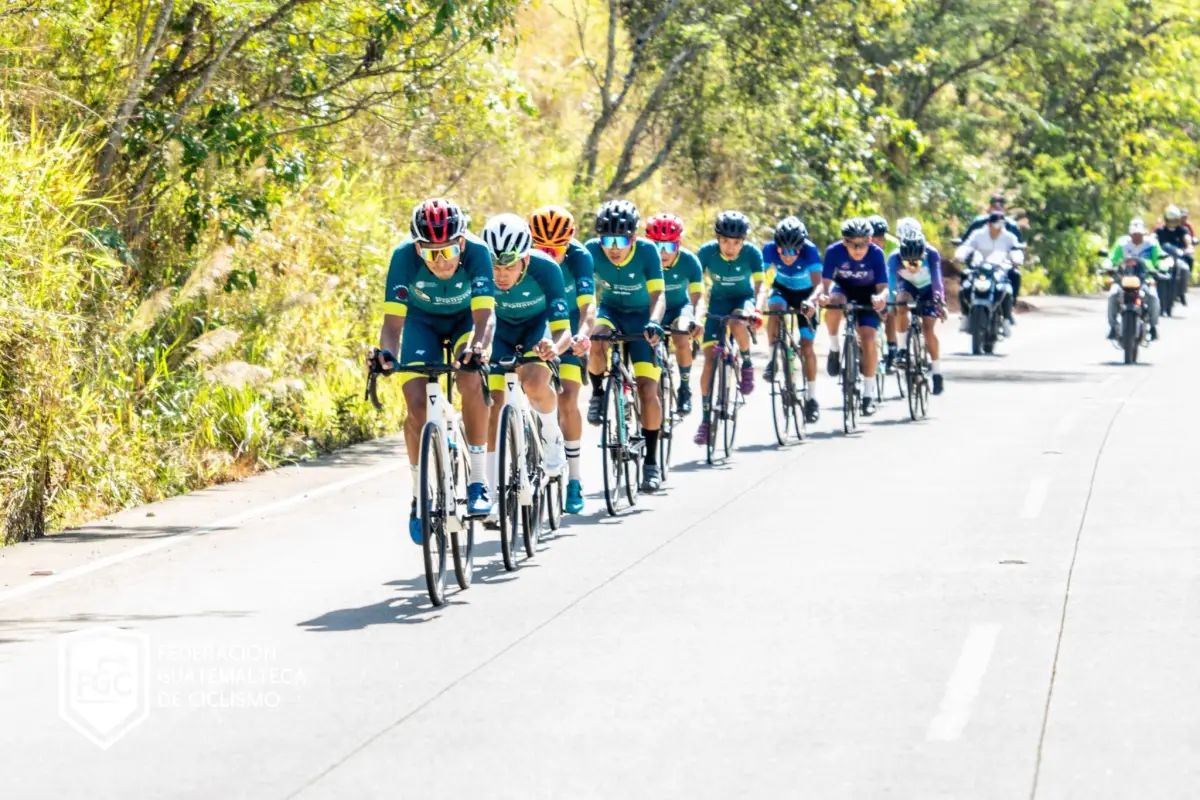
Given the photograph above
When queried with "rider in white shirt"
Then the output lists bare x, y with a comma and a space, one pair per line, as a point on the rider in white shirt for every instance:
993, 238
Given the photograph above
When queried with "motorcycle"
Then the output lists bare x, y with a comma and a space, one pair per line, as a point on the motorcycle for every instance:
1180, 276
985, 287
1133, 330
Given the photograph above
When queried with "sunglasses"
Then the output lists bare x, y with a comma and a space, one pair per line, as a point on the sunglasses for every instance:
439, 253
789, 251
553, 252
857, 244
615, 242
506, 259
667, 248
913, 262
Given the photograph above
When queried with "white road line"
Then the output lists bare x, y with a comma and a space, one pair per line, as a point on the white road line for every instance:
955, 709
224, 522
1036, 497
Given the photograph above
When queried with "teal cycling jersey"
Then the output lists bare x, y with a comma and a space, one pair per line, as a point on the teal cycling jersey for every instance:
579, 276
682, 278
410, 283
538, 293
731, 279
627, 286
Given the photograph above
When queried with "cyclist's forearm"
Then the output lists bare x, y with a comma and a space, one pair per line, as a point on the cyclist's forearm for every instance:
657, 306
485, 326
587, 319
562, 340
389, 333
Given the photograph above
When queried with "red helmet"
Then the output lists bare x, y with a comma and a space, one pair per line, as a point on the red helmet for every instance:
437, 221
664, 228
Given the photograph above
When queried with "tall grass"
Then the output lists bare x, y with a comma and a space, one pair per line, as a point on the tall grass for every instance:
109, 397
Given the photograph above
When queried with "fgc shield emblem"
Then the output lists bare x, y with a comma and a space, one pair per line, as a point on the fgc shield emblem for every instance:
104, 682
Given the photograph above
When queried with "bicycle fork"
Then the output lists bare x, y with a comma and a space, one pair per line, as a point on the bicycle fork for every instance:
515, 397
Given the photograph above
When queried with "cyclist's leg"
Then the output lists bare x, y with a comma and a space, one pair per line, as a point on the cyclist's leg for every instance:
475, 418
680, 318
598, 364
904, 294
890, 321
741, 335
929, 317
421, 343
776, 301
833, 321
570, 420
713, 330
504, 345
868, 324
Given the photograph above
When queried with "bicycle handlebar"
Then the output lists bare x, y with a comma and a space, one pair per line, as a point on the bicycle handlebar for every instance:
428, 371
619, 337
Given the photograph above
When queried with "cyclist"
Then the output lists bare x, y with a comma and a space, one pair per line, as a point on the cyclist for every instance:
797, 263
1139, 247
531, 312
736, 270
915, 269
881, 237
855, 271
684, 287
908, 223
554, 230
440, 288
985, 241
1173, 236
630, 279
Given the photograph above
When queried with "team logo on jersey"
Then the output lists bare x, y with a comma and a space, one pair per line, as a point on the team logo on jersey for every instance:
420, 295
458, 285
479, 283
559, 305
585, 285
401, 293
421, 284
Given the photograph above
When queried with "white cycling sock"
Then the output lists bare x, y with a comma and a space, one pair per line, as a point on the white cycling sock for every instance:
416, 479
869, 388
477, 456
573, 450
493, 468
937, 367
901, 339
833, 341
550, 430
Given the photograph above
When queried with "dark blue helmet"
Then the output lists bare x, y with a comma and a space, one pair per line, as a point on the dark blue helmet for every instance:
732, 225
790, 233
912, 246
617, 218
856, 228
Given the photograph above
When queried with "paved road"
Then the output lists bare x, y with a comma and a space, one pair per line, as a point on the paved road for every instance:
1014, 619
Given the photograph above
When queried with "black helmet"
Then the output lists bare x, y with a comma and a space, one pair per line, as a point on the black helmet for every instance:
912, 246
790, 233
617, 218
998, 199
732, 225
879, 225
856, 228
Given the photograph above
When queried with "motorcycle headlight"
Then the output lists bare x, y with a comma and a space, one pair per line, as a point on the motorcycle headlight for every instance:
982, 285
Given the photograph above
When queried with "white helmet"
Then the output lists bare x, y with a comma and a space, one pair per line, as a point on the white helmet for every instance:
1137, 226
508, 237
908, 223
1172, 213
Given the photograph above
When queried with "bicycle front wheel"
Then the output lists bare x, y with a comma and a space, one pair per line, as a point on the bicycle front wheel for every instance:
612, 444
849, 383
631, 454
434, 511
462, 543
781, 392
531, 515
716, 390
666, 395
732, 399
508, 479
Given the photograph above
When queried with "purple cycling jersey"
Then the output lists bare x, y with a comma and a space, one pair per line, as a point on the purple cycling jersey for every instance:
845, 271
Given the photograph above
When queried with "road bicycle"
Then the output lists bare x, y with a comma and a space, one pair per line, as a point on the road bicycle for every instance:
788, 401
918, 368
851, 358
622, 443
666, 395
724, 391
525, 491
444, 472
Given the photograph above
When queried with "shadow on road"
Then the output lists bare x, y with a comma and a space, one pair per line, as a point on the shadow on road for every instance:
1025, 376
412, 607
92, 533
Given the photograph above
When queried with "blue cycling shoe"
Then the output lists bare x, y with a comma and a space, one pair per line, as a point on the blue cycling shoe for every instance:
414, 526
479, 500
574, 496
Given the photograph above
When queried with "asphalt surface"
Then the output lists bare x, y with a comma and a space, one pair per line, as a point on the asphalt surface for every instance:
998, 602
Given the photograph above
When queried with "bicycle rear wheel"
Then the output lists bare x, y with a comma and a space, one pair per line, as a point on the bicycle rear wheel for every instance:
462, 543
714, 410
799, 401
850, 383
630, 455
733, 399
666, 395
508, 480
612, 444
531, 515
912, 374
555, 500
781, 392
434, 510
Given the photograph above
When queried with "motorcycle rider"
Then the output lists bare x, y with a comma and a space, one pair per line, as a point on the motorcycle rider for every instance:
994, 237
998, 203
1142, 249
1174, 238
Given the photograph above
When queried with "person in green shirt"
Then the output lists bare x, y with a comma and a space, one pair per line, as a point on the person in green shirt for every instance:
1137, 246
735, 268
629, 279
684, 279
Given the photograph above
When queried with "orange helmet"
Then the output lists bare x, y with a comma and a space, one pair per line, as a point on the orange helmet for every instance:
552, 226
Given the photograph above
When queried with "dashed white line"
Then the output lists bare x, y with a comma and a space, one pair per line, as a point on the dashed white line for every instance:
234, 519
955, 710
1036, 497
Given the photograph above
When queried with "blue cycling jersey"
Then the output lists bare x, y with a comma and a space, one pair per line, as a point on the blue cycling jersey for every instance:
799, 274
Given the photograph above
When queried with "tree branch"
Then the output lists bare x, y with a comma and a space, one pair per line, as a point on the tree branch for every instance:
961, 70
